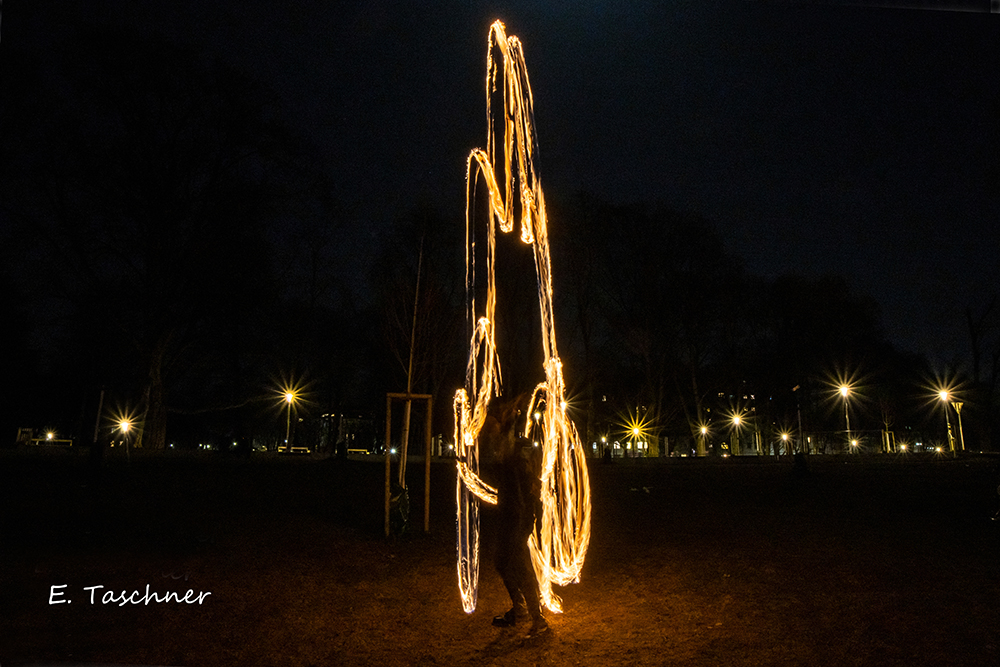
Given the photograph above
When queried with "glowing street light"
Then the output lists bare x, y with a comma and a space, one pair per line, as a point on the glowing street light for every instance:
125, 425
737, 420
943, 395
289, 399
845, 391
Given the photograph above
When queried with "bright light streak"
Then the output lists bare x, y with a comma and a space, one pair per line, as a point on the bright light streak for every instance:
559, 544
635, 427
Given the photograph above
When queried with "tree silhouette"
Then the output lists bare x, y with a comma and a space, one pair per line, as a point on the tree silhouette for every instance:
151, 193
423, 241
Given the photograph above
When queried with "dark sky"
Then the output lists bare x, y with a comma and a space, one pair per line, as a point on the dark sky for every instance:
857, 140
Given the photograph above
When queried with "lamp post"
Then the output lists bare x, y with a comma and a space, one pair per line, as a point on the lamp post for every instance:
124, 426
703, 444
845, 391
289, 398
943, 395
736, 434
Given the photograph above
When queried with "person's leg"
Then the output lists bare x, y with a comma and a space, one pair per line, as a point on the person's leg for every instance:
527, 586
506, 565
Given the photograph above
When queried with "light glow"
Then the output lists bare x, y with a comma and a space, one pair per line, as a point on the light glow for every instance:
559, 543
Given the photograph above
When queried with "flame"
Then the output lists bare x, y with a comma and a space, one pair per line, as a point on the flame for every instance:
559, 544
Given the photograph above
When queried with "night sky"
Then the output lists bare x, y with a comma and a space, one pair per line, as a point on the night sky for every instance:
818, 138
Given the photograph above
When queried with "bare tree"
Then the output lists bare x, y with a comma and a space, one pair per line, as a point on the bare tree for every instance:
149, 196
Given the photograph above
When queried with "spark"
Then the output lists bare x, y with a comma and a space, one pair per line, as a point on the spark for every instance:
559, 544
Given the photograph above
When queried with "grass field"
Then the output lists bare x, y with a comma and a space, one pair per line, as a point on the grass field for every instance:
861, 561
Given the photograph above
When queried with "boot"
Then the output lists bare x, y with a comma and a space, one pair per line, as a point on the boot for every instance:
509, 619
538, 626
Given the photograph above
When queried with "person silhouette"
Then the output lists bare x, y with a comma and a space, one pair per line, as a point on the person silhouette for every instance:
517, 496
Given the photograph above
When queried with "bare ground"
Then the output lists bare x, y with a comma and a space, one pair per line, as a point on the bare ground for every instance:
863, 561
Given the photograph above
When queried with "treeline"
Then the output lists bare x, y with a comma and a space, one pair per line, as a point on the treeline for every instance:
168, 239
661, 327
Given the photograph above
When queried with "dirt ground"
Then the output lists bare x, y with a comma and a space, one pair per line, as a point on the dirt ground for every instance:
862, 561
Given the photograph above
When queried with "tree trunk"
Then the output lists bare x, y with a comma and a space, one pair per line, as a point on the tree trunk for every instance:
154, 418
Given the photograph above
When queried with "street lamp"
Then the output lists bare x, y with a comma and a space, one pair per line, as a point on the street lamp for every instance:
289, 398
943, 395
845, 391
737, 420
125, 426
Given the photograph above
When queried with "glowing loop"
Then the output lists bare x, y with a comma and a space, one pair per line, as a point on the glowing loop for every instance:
559, 544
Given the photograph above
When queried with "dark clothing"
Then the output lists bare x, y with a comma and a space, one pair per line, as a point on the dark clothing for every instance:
516, 500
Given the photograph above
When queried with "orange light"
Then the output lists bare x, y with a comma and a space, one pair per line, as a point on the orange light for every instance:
559, 543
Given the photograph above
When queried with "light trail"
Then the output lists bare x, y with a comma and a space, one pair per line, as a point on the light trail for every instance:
559, 543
